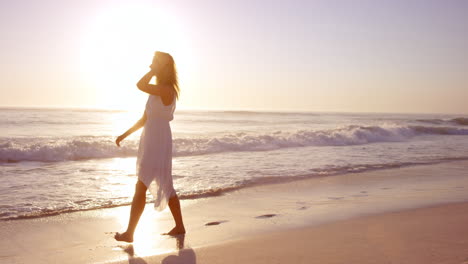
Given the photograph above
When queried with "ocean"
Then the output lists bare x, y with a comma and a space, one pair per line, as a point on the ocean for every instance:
54, 161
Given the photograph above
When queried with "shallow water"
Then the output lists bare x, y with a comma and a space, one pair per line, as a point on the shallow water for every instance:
60, 160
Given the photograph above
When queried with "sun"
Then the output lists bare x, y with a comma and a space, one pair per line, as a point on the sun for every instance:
117, 48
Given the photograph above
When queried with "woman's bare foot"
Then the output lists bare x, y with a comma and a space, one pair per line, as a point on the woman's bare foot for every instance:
176, 231
126, 237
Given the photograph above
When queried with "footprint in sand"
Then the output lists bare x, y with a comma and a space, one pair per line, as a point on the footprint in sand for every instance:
362, 194
303, 205
216, 223
335, 198
359, 195
265, 216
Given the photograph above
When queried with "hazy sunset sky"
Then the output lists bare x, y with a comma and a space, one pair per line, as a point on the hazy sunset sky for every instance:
358, 56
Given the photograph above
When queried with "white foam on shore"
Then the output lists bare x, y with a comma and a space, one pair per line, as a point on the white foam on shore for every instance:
74, 204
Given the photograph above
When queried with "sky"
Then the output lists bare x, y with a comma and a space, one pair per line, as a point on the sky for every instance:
354, 56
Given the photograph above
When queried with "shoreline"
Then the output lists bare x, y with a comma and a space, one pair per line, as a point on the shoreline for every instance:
270, 181
258, 211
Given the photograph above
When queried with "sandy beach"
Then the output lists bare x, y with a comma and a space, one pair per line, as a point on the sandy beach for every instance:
427, 235
382, 216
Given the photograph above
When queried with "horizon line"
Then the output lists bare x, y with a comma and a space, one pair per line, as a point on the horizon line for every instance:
55, 107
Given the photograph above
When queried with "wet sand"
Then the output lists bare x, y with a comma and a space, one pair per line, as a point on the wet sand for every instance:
416, 236
404, 215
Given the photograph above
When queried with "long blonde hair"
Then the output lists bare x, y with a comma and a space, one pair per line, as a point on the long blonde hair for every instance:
167, 73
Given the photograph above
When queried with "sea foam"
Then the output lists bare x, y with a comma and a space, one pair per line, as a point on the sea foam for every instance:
81, 148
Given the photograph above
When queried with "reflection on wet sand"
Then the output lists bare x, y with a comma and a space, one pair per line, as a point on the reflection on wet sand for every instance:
184, 255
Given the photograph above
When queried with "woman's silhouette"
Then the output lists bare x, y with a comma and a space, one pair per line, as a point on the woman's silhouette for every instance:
154, 161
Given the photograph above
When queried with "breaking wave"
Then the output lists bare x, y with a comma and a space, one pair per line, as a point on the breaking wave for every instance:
82, 148
461, 121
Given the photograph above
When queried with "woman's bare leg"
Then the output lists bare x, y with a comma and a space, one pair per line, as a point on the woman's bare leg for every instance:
138, 205
174, 205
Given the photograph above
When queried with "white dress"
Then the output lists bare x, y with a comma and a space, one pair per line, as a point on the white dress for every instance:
154, 160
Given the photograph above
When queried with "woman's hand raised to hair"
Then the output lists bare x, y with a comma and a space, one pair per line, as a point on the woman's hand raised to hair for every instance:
152, 69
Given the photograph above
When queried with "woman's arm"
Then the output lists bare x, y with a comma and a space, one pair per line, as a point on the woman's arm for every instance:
164, 91
140, 123
144, 85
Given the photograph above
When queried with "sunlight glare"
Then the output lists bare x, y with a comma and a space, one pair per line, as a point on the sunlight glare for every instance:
118, 46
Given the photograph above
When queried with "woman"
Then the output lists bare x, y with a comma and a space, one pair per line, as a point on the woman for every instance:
154, 160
